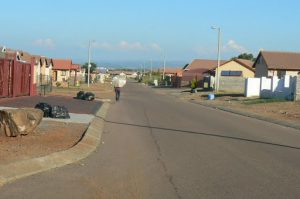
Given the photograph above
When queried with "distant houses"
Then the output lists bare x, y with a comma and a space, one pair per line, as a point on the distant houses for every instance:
36, 73
16, 74
233, 73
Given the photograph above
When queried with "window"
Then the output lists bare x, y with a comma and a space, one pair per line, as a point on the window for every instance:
281, 73
63, 73
231, 73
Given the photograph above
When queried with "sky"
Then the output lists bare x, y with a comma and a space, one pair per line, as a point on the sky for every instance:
136, 31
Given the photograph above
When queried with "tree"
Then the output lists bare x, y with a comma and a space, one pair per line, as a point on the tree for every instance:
92, 69
245, 56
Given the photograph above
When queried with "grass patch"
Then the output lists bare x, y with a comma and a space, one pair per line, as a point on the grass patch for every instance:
262, 101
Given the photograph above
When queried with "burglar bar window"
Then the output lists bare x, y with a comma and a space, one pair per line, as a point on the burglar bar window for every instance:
231, 73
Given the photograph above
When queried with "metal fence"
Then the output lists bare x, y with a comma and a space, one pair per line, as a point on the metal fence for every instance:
15, 78
44, 84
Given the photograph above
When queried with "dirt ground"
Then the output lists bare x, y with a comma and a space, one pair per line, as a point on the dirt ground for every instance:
101, 91
49, 137
286, 111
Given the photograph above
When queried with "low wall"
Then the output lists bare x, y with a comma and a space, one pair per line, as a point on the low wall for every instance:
232, 84
252, 87
285, 88
297, 89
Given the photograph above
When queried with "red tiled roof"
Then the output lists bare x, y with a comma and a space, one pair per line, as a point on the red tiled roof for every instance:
281, 60
75, 67
62, 64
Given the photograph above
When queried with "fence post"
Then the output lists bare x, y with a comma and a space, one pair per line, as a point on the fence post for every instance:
32, 87
297, 89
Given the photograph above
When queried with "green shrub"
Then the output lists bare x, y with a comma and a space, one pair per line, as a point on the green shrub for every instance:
194, 84
58, 84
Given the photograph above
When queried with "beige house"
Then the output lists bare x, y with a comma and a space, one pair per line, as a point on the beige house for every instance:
237, 68
37, 68
64, 71
269, 64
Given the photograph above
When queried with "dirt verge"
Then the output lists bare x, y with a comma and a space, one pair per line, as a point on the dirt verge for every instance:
273, 110
49, 137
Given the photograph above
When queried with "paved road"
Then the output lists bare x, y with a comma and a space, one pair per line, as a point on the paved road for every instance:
155, 146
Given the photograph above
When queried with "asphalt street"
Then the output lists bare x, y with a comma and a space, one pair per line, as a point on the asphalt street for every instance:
156, 146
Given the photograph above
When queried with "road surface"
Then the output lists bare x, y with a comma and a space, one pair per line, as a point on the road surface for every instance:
156, 146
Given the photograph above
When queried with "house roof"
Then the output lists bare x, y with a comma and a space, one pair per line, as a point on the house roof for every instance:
191, 74
75, 66
62, 64
46, 60
171, 70
280, 60
25, 56
2, 49
22, 55
203, 64
37, 58
198, 68
244, 62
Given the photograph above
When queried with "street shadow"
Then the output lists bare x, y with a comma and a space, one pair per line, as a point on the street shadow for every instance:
205, 134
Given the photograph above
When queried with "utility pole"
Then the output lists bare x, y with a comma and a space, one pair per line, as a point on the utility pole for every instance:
151, 69
164, 65
219, 59
89, 63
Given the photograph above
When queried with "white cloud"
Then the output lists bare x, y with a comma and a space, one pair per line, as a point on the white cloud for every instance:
127, 46
233, 46
155, 46
130, 46
48, 43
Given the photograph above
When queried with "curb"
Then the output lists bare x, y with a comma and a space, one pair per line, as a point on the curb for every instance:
250, 115
88, 144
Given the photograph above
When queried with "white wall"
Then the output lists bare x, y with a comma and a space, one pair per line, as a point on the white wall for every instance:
252, 87
271, 87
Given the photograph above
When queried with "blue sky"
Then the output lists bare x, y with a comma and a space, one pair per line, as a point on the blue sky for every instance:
139, 31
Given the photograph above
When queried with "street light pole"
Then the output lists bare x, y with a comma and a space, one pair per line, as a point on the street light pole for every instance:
164, 65
219, 58
151, 70
89, 63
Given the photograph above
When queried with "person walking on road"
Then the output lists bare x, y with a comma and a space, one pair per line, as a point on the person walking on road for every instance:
118, 92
